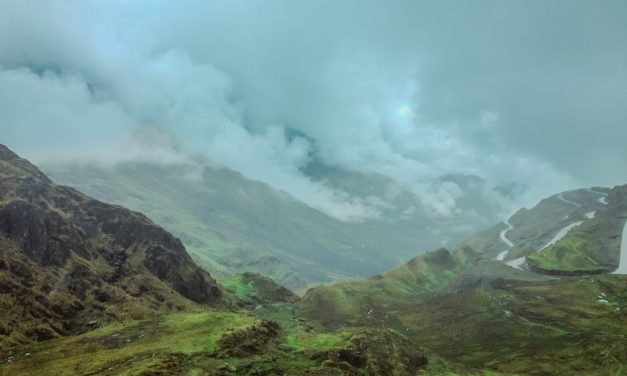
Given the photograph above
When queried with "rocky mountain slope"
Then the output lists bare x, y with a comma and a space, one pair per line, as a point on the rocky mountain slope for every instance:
88, 288
68, 261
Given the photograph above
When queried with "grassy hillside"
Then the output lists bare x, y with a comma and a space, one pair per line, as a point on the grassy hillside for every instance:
251, 290
573, 326
366, 301
486, 315
231, 224
217, 343
592, 247
89, 288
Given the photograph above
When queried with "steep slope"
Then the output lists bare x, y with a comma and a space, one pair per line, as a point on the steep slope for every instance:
358, 301
471, 307
592, 247
68, 261
69, 265
231, 224
574, 232
484, 314
570, 326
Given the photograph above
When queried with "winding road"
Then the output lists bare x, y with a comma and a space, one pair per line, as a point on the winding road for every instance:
562, 198
519, 262
516, 263
622, 265
503, 236
602, 199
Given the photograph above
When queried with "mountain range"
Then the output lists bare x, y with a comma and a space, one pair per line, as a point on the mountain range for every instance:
232, 224
91, 288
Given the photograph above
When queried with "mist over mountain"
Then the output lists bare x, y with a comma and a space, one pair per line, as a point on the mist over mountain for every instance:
313, 187
233, 224
266, 88
111, 291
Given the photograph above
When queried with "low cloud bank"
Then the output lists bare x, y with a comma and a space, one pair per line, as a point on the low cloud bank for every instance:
411, 92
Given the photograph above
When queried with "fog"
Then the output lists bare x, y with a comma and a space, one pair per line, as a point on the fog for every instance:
522, 94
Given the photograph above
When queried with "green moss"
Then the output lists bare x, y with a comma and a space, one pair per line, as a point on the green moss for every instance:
196, 344
239, 288
129, 347
314, 342
353, 302
570, 254
438, 366
549, 327
592, 247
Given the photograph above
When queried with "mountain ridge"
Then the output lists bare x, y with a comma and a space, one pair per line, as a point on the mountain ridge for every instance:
231, 224
63, 249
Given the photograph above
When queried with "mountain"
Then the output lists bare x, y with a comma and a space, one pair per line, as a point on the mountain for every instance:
67, 260
551, 311
92, 288
80, 294
231, 224
572, 233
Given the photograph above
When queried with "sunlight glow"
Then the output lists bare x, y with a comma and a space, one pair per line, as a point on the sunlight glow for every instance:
403, 111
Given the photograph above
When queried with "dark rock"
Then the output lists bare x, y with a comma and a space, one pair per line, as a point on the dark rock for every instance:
49, 223
65, 257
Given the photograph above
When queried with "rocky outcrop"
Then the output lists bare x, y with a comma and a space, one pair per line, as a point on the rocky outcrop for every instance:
66, 256
50, 222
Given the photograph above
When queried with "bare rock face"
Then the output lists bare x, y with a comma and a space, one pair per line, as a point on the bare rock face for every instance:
50, 224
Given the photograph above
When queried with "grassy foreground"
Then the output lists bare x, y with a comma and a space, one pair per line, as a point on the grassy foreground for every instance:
216, 343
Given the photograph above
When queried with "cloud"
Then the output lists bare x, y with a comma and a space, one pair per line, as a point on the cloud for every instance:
411, 90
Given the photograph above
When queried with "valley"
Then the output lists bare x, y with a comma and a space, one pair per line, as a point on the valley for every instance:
89, 288
231, 224
313, 188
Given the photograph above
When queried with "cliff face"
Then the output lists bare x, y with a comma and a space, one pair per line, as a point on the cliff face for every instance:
90, 250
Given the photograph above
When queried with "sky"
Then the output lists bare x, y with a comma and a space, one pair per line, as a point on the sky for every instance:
530, 94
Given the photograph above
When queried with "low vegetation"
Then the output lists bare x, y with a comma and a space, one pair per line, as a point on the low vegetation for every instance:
217, 343
509, 323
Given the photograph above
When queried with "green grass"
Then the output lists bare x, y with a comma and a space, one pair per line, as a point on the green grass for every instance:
302, 341
231, 224
592, 247
239, 288
440, 367
551, 327
570, 254
126, 348
197, 343
567, 326
355, 302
